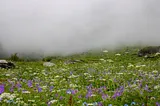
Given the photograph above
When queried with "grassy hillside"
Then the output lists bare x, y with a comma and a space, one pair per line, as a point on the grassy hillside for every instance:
95, 78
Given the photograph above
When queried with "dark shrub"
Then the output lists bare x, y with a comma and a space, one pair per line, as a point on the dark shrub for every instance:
149, 50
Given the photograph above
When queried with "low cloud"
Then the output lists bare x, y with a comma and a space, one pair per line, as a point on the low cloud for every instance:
71, 26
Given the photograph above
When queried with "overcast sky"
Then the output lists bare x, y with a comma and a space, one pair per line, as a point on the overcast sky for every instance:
69, 26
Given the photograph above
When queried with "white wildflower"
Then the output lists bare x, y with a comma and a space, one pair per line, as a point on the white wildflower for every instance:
157, 87
157, 54
118, 54
102, 59
26, 92
57, 76
93, 95
152, 98
44, 87
105, 51
7, 75
31, 100
138, 66
22, 102
80, 101
155, 71
52, 101
18, 99
51, 83
36, 97
48, 64
120, 73
25, 104
90, 80
85, 74
143, 65
130, 65
102, 80
73, 76
110, 61
134, 86
73, 85
122, 66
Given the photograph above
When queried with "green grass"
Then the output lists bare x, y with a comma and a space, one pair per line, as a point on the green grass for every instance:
97, 74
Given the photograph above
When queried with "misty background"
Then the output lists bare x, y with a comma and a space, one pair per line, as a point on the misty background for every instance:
72, 26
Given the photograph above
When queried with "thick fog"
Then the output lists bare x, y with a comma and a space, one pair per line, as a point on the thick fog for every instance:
71, 26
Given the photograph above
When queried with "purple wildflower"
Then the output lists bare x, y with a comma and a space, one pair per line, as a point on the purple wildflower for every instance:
100, 91
118, 92
89, 94
104, 96
39, 89
104, 87
51, 88
69, 91
157, 104
147, 89
129, 84
85, 104
1, 89
48, 104
61, 98
80, 96
89, 87
29, 83
74, 91
56, 95
37, 85
115, 80
100, 104
71, 73
11, 89
121, 88
140, 84
9, 81
18, 85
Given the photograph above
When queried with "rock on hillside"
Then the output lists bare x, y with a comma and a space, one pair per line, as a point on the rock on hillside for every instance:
6, 64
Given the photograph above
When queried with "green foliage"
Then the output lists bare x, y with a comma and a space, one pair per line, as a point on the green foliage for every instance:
15, 57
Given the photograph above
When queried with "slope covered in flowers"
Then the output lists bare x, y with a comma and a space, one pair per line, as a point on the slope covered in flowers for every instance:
104, 78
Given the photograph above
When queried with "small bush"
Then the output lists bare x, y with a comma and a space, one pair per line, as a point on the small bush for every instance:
149, 50
15, 57
47, 59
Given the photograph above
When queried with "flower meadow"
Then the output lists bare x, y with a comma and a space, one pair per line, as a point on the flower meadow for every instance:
103, 78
